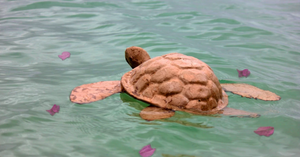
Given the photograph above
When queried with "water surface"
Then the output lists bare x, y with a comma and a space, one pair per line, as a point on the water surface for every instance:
260, 35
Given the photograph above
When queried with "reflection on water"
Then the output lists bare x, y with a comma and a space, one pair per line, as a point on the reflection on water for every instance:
177, 118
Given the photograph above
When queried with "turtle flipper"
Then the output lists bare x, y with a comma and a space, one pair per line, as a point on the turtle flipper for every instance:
238, 113
249, 91
154, 113
88, 93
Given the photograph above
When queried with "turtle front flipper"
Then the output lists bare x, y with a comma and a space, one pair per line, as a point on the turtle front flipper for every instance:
88, 93
249, 91
238, 113
154, 113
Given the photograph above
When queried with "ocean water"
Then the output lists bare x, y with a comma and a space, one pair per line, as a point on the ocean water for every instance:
260, 35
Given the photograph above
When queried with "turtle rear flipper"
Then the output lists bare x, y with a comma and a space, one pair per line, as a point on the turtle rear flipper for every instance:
154, 113
88, 93
239, 113
249, 91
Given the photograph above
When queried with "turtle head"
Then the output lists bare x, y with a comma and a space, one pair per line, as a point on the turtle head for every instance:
135, 56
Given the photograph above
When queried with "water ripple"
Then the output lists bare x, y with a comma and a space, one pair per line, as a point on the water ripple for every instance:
262, 36
49, 4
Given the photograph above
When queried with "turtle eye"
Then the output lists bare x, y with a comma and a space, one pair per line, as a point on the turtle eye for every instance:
131, 62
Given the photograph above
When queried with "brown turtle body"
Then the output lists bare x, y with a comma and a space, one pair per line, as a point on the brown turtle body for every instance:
177, 82
171, 82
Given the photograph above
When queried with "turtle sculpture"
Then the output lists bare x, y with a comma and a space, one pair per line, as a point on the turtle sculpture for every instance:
172, 82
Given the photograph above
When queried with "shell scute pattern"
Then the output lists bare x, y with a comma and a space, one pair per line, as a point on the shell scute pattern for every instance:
170, 87
153, 67
178, 100
142, 82
196, 91
193, 76
164, 73
177, 82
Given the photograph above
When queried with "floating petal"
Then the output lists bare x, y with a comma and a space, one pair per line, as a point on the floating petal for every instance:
265, 131
240, 73
243, 73
147, 151
51, 112
55, 108
64, 55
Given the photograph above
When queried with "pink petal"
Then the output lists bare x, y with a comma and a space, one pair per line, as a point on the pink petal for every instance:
147, 151
55, 108
51, 112
244, 72
240, 73
64, 55
265, 131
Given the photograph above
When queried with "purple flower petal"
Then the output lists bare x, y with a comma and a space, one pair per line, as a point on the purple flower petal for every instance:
240, 73
244, 72
147, 151
265, 131
55, 108
64, 55
51, 112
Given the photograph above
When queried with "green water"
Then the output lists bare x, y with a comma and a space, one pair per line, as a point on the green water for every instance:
260, 35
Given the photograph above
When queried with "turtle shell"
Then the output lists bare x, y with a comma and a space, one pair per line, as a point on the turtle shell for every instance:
178, 82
